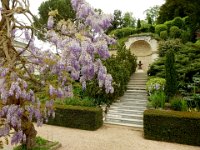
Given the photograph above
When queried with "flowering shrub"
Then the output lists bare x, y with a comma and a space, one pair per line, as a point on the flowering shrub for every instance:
155, 84
121, 68
77, 43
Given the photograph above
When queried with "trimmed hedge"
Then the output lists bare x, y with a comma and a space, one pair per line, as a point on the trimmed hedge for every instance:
163, 35
175, 32
172, 126
123, 32
159, 28
86, 118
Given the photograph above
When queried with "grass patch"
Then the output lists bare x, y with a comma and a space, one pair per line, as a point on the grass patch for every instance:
41, 144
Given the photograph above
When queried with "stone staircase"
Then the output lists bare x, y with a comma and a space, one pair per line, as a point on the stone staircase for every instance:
128, 110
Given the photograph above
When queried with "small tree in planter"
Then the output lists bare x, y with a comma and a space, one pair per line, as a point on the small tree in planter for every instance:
78, 43
171, 75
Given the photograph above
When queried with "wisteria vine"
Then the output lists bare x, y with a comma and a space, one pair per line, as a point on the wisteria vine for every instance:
81, 44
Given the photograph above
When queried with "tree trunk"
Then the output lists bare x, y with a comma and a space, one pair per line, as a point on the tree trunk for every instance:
30, 132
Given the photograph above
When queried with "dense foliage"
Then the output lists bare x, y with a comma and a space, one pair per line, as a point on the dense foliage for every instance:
157, 99
187, 58
64, 8
178, 104
121, 68
181, 8
159, 28
187, 68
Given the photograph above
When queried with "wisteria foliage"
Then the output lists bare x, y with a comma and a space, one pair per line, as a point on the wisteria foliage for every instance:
80, 43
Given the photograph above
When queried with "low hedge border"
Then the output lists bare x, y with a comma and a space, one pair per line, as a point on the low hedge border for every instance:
172, 126
86, 118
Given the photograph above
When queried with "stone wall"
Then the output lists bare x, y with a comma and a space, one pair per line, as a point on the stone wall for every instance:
145, 48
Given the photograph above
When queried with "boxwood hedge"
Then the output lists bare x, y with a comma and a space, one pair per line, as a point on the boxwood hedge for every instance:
172, 126
86, 118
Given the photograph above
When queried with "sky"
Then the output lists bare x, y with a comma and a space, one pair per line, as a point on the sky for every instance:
137, 7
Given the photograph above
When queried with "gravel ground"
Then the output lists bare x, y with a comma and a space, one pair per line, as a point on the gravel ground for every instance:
109, 137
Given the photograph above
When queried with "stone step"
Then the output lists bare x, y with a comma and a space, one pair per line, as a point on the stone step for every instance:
137, 80
136, 84
139, 74
125, 109
127, 116
136, 91
124, 124
125, 120
132, 99
132, 85
129, 103
129, 107
137, 112
136, 87
135, 96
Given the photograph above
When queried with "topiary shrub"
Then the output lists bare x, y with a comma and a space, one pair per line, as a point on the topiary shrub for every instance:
172, 126
197, 43
174, 32
159, 28
178, 21
163, 35
124, 32
169, 24
185, 36
171, 75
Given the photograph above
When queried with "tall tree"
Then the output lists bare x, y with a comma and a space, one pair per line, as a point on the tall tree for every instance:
138, 24
152, 13
128, 20
117, 22
171, 75
64, 8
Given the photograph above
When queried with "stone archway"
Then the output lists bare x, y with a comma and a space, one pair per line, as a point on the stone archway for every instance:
145, 48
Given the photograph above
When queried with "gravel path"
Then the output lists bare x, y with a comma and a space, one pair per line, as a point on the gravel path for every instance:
109, 137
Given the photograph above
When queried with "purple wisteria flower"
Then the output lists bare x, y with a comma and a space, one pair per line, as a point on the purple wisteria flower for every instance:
4, 71
50, 22
80, 43
17, 137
